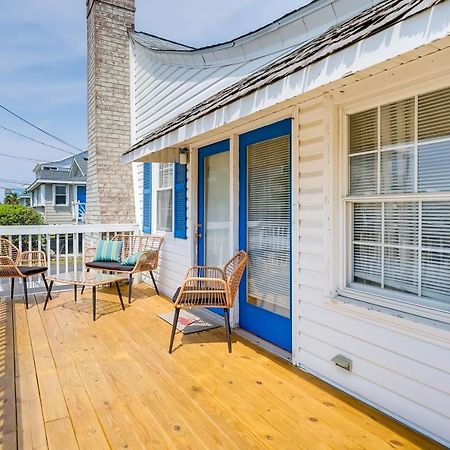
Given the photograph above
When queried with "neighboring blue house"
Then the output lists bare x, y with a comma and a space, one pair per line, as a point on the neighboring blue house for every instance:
59, 190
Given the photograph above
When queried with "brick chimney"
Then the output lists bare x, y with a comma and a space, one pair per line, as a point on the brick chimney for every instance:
109, 181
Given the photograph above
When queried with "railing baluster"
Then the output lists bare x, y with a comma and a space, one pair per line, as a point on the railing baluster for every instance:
49, 255
75, 251
67, 251
30, 246
20, 243
57, 253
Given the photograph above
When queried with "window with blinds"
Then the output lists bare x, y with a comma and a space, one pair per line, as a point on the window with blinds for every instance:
399, 199
164, 197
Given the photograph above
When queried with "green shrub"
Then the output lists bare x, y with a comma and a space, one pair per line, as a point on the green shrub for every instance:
19, 215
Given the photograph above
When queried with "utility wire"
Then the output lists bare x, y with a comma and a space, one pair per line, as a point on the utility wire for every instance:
6, 180
40, 129
35, 140
23, 158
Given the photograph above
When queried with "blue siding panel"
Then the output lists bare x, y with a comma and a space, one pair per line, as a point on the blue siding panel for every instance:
180, 201
147, 199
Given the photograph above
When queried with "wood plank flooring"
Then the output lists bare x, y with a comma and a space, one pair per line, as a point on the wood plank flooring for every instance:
67, 382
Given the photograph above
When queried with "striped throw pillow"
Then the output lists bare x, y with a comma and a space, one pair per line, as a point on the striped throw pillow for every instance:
132, 259
108, 251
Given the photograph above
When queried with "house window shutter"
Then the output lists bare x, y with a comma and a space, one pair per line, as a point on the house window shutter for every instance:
180, 201
147, 199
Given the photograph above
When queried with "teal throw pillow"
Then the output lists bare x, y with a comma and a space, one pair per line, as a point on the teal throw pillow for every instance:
132, 259
108, 251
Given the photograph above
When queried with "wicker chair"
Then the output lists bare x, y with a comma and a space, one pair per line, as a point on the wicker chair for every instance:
147, 245
15, 264
210, 287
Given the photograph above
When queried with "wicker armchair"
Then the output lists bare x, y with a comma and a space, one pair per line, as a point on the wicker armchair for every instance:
15, 264
149, 247
210, 287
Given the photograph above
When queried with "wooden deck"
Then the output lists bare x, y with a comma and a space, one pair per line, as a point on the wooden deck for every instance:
68, 382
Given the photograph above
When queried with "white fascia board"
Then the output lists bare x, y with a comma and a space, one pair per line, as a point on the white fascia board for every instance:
419, 30
309, 21
62, 182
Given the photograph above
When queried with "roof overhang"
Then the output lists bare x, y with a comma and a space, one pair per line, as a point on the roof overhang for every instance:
429, 23
36, 183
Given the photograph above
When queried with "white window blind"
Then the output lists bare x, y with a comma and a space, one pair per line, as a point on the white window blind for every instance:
268, 224
399, 175
164, 194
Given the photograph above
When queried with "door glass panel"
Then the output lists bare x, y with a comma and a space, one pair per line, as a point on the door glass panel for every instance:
217, 209
268, 225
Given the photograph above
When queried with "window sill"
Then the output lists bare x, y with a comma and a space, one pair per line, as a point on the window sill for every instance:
437, 327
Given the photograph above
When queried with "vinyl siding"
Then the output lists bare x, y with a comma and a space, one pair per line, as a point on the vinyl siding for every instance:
400, 366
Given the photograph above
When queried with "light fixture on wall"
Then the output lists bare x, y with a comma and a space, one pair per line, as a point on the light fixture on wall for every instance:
184, 155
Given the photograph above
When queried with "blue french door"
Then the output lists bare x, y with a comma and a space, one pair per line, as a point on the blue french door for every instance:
265, 232
81, 194
214, 226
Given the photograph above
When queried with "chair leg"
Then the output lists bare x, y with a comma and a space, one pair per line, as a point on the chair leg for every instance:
226, 313
174, 328
48, 294
82, 287
12, 288
154, 283
94, 301
25, 291
120, 295
46, 284
130, 286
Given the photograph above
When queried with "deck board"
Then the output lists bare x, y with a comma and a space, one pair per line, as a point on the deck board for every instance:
69, 382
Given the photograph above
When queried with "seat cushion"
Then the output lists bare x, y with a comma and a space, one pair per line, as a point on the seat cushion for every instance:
108, 251
109, 265
29, 270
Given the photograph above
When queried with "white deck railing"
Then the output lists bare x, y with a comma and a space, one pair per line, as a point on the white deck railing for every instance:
64, 245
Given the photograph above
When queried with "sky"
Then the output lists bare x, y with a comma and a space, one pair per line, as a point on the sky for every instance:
43, 64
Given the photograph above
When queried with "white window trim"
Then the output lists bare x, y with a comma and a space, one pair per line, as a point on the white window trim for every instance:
66, 187
156, 189
397, 301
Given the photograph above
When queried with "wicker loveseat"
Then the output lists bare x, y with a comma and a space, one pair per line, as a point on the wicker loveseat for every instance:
15, 264
147, 245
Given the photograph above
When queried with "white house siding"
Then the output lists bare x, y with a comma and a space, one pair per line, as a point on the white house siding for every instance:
400, 366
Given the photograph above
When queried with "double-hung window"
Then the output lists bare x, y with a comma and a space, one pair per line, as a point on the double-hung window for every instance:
60, 195
164, 197
398, 201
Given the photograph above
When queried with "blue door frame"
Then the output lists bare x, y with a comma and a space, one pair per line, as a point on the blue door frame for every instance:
204, 152
265, 324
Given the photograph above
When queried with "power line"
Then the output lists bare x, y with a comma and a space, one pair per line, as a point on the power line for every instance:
23, 158
6, 180
35, 140
40, 129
